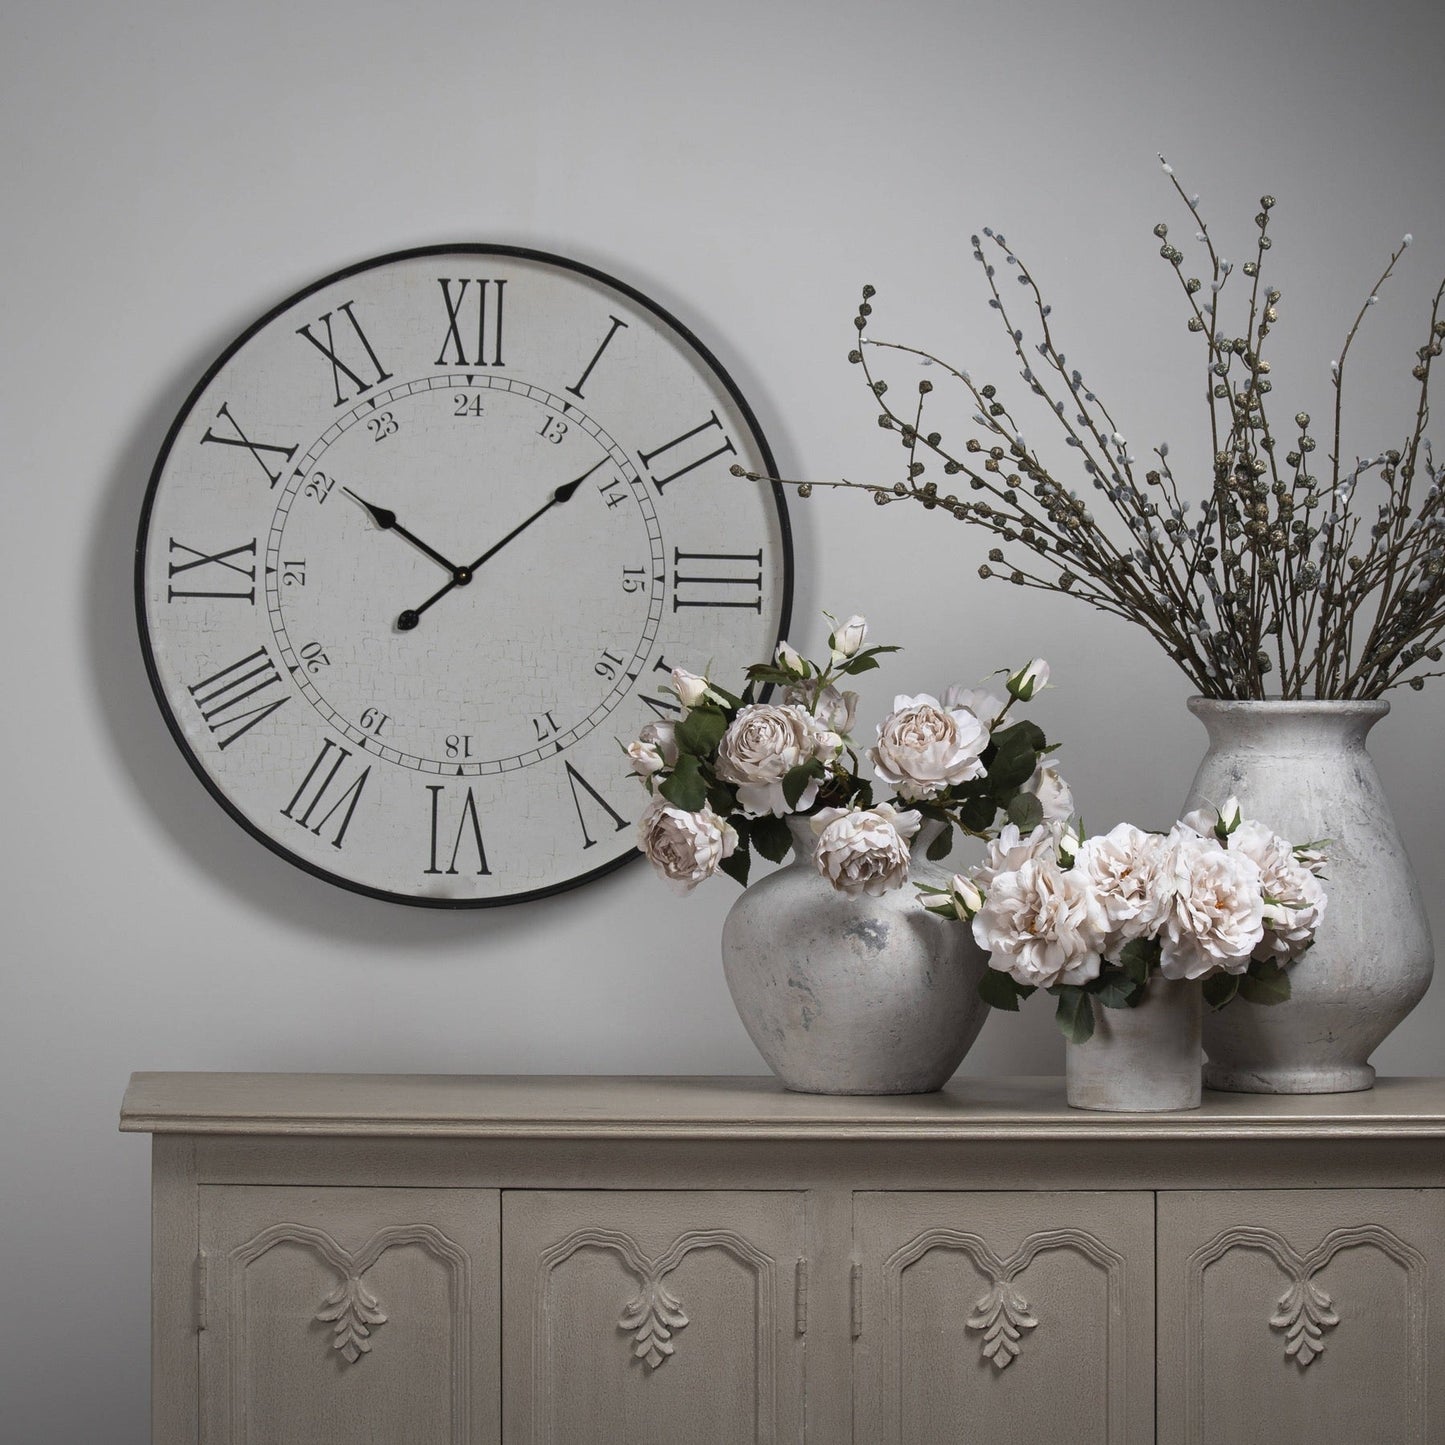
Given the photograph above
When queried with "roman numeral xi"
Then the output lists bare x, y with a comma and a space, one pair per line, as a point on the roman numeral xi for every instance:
354, 366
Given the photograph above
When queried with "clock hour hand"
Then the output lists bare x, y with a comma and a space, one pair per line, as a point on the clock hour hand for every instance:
386, 520
463, 575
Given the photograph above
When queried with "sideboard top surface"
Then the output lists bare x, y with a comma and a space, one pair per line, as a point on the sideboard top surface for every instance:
679, 1107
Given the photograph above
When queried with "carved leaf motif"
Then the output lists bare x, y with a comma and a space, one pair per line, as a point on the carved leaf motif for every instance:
1002, 1314
1305, 1312
351, 1309
653, 1315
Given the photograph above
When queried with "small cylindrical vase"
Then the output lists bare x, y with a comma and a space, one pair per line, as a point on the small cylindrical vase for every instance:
1143, 1060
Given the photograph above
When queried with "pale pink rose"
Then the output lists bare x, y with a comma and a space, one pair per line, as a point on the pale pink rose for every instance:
1054, 794
834, 710
763, 743
924, 749
1042, 925
1011, 850
864, 850
983, 704
1295, 901
1129, 871
1216, 920
684, 847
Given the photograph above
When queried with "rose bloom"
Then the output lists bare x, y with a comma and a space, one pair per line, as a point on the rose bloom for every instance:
1216, 920
662, 736
864, 850
684, 847
645, 758
847, 639
983, 704
1297, 901
1128, 870
1011, 850
1054, 794
1043, 925
834, 710
763, 743
923, 748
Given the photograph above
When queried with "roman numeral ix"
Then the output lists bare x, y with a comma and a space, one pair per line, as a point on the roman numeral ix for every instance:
212, 583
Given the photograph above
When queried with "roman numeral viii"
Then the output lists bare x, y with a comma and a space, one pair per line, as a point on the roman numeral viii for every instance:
325, 785
488, 322
682, 452
469, 828
330, 349
233, 700
215, 582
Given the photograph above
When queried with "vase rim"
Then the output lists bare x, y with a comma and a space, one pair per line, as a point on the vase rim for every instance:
1317, 706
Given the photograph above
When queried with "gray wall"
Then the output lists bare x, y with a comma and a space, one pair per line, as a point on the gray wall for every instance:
172, 169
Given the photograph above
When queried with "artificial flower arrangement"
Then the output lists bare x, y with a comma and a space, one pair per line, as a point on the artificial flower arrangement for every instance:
731, 770
1218, 898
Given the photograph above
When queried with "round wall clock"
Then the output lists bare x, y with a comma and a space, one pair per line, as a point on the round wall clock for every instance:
421, 549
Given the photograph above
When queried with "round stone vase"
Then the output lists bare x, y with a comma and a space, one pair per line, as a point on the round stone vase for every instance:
1143, 1060
1301, 768
852, 995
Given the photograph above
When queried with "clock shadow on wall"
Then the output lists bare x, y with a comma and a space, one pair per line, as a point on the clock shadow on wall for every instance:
492, 454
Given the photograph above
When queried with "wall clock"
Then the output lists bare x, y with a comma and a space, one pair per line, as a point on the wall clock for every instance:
424, 544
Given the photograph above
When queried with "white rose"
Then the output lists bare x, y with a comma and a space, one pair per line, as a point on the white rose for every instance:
834, 710
847, 639
763, 743
791, 660
1042, 925
1011, 850
1295, 901
645, 758
1054, 794
923, 749
1212, 822
983, 704
684, 847
662, 736
1128, 870
1216, 920
1029, 679
864, 850
690, 688
965, 895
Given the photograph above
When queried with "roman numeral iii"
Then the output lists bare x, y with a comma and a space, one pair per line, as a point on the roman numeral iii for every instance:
717, 579
474, 312
330, 349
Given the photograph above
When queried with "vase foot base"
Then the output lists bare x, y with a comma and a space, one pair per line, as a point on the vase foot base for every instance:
1343, 1079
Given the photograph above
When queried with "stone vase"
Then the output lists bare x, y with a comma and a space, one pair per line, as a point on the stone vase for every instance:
1142, 1060
852, 995
1301, 768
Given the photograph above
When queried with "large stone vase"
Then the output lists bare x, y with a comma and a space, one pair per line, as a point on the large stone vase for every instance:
1301, 768
852, 995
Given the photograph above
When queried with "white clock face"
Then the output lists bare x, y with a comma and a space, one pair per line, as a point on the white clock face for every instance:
422, 549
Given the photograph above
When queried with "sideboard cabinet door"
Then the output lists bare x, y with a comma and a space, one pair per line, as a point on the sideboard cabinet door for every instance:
1004, 1318
1314, 1315
335, 1316
652, 1318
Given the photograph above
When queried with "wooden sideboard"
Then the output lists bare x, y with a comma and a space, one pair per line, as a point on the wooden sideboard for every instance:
418, 1260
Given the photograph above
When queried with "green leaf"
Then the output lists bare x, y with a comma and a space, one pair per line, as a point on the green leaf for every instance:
941, 846
1011, 769
1266, 982
976, 814
771, 837
686, 788
1020, 736
1117, 990
796, 780
1137, 957
737, 863
1025, 810
701, 731
861, 663
998, 990
1075, 1013
1220, 989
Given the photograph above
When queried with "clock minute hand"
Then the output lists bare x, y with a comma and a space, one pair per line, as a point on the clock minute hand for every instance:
563, 493
461, 576
386, 520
